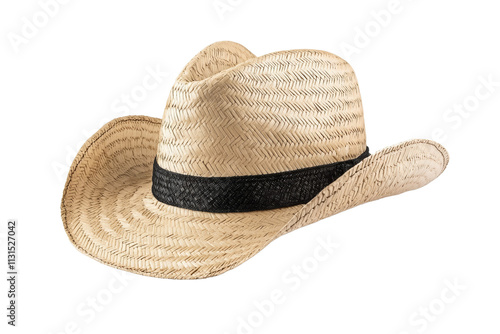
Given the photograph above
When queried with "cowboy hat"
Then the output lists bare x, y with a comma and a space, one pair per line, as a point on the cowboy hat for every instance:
249, 148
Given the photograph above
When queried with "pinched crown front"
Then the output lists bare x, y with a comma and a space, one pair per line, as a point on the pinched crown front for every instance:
232, 114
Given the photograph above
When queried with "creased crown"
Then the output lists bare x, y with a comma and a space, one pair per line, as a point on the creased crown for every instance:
230, 113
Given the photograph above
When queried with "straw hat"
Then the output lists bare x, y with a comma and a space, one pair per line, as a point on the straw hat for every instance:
249, 148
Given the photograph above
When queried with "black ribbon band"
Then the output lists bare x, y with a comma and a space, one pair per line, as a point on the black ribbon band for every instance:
246, 193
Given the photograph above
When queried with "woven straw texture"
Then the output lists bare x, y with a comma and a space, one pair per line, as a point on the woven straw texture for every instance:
247, 115
279, 112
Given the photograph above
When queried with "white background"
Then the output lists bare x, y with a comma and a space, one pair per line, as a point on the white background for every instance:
396, 257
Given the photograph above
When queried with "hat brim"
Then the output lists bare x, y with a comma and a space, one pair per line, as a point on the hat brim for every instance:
110, 214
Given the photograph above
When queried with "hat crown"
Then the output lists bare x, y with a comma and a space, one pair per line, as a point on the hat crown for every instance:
230, 113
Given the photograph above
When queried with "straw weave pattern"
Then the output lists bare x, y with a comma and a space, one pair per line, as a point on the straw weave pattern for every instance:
110, 214
231, 114
284, 111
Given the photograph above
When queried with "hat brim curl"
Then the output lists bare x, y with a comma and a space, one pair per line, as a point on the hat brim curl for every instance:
110, 214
